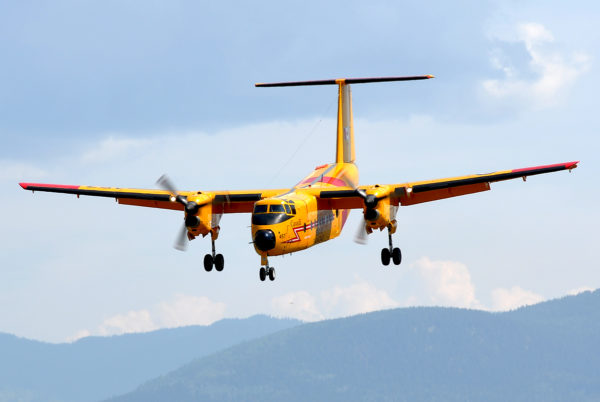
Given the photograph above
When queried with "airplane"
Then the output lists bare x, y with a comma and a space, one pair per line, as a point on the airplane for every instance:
313, 211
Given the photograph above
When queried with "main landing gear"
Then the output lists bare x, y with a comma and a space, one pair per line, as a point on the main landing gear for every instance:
266, 271
391, 253
211, 260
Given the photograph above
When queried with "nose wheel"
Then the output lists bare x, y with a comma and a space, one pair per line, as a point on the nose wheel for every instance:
266, 271
216, 260
391, 253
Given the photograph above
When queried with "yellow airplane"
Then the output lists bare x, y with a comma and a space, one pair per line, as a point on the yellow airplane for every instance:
314, 210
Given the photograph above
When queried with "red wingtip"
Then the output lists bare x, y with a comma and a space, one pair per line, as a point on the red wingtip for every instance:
34, 186
571, 165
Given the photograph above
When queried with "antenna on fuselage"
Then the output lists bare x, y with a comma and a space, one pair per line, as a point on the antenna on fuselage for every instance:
345, 125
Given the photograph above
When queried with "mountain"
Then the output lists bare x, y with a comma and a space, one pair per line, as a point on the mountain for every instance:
546, 352
94, 368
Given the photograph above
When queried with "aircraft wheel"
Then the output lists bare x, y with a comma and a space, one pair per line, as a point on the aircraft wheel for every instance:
272, 274
208, 262
262, 274
396, 256
219, 262
385, 256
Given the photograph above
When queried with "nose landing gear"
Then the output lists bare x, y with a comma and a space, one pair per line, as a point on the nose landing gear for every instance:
216, 260
266, 271
391, 253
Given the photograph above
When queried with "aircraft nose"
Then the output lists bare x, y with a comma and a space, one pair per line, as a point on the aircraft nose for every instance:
264, 239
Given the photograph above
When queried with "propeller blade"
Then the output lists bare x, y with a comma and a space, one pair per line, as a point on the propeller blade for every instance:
166, 184
361, 236
182, 240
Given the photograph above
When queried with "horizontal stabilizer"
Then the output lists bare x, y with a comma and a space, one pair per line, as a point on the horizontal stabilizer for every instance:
344, 81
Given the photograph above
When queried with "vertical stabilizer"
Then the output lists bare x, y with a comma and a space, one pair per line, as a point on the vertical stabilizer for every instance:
345, 127
344, 152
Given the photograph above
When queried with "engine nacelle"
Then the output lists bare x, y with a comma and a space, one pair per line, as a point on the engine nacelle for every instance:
204, 221
379, 213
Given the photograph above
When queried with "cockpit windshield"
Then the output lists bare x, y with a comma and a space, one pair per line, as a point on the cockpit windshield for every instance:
259, 209
271, 214
276, 208
269, 219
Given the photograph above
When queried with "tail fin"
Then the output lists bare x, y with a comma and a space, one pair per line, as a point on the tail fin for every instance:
344, 150
345, 127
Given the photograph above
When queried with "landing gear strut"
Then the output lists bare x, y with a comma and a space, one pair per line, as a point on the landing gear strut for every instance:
391, 253
214, 259
266, 271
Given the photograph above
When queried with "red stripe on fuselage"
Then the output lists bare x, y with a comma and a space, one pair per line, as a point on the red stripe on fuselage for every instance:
327, 180
335, 181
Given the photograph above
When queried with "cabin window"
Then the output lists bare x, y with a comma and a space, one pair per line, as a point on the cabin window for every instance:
276, 208
293, 209
260, 209
287, 209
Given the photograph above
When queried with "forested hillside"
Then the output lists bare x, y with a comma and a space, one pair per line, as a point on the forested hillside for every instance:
95, 368
547, 352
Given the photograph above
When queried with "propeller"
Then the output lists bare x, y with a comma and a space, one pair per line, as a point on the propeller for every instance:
361, 236
166, 184
191, 209
181, 243
371, 214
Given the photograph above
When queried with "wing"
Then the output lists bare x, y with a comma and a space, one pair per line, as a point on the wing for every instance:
425, 191
224, 201
431, 190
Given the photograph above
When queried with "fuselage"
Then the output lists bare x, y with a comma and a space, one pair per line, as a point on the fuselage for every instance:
297, 220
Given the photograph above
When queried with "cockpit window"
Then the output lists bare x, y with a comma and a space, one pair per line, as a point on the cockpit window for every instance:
287, 209
293, 209
259, 209
276, 208
270, 218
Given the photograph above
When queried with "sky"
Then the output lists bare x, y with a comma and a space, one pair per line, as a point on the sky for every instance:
118, 93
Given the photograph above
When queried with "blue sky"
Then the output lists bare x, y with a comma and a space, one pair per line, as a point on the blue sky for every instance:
116, 94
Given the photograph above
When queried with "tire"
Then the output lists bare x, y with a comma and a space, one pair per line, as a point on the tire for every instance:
208, 262
219, 262
272, 274
262, 274
385, 256
396, 256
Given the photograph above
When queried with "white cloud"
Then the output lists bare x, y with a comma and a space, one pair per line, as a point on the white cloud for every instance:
182, 311
132, 321
447, 283
78, 335
509, 299
301, 305
361, 297
189, 310
554, 72
582, 289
